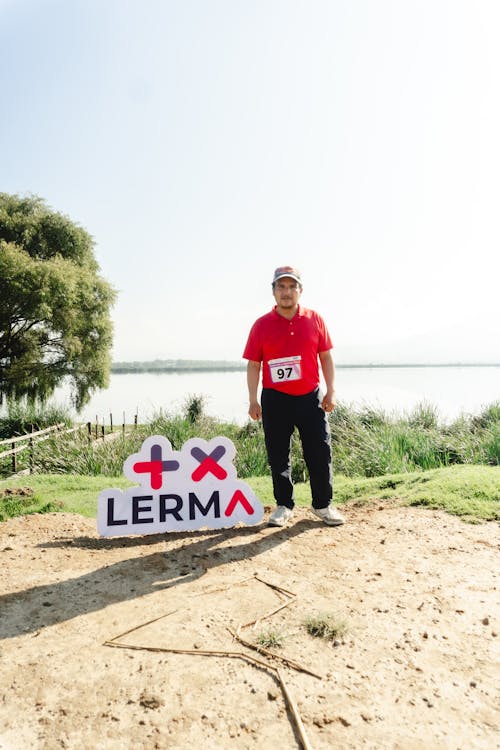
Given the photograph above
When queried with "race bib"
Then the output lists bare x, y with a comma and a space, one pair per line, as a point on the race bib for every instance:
284, 369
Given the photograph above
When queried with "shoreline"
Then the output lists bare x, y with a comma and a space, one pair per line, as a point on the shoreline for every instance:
124, 368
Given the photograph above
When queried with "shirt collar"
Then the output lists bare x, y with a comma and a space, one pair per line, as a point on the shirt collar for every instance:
298, 314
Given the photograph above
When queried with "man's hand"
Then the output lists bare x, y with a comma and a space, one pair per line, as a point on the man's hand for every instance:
329, 402
254, 411
253, 374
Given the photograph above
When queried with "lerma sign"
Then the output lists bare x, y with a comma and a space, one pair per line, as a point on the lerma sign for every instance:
178, 490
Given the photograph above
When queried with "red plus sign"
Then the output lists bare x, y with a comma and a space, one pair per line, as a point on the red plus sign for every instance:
156, 466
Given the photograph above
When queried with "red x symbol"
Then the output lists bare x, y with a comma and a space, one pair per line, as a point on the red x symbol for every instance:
208, 463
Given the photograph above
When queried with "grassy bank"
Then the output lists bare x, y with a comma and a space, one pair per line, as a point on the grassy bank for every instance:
365, 443
471, 492
409, 457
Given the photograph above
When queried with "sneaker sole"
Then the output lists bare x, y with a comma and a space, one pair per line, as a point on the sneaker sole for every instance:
279, 525
336, 522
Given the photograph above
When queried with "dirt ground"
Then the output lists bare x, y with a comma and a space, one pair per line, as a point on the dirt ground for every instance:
417, 669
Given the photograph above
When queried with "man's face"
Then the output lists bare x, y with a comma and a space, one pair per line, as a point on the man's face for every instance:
286, 292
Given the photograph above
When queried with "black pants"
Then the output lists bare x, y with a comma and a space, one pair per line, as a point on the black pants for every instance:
280, 414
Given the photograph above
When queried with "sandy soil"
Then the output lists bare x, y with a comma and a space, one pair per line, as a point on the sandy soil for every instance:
418, 667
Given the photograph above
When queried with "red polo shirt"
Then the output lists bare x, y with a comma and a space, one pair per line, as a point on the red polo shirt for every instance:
289, 350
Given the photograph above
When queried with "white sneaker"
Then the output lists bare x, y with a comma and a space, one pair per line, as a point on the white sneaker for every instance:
280, 516
329, 515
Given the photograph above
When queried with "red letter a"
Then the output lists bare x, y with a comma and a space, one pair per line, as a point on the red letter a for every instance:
238, 497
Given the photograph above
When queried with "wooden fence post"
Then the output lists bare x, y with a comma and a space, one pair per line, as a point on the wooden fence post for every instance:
32, 452
14, 465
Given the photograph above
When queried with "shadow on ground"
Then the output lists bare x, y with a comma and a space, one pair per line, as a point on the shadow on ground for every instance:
41, 606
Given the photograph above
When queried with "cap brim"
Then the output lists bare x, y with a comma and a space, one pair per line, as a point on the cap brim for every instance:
288, 276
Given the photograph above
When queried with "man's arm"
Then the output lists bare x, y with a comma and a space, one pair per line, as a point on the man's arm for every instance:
328, 368
253, 373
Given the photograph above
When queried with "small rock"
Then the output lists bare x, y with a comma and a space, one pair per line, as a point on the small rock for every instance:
272, 695
485, 621
473, 683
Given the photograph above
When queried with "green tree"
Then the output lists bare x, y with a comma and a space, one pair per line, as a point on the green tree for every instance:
54, 305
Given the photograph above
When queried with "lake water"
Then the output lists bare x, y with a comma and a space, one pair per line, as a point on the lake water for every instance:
452, 390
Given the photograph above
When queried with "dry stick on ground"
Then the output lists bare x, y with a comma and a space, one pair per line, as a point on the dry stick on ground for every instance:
295, 712
274, 586
262, 650
113, 643
223, 588
280, 590
138, 627
268, 614
233, 655
198, 652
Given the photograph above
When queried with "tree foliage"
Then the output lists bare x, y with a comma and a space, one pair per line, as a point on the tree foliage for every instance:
54, 305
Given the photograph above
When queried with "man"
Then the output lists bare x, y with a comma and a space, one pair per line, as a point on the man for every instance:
287, 343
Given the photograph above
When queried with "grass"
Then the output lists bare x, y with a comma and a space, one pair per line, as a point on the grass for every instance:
327, 626
23, 416
365, 442
471, 492
64, 492
270, 639
22, 502
370, 443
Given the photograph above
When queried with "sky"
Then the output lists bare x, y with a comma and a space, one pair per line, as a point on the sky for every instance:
202, 143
